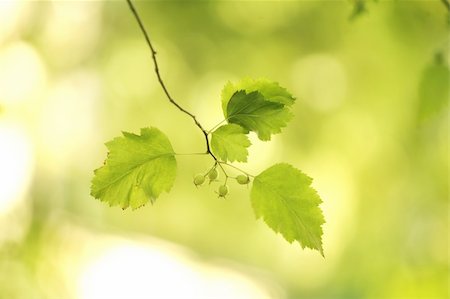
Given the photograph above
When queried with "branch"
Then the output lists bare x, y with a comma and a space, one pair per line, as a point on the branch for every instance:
161, 82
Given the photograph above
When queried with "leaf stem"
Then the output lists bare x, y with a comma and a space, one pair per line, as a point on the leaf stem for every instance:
209, 170
237, 168
223, 170
215, 127
190, 154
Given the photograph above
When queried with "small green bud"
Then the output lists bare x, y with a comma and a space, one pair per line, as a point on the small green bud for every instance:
199, 179
223, 190
213, 174
242, 179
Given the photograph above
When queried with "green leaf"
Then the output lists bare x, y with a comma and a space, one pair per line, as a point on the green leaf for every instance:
433, 91
283, 196
253, 113
270, 90
230, 142
138, 169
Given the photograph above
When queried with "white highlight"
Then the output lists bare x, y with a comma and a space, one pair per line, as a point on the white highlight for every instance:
141, 272
22, 74
16, 165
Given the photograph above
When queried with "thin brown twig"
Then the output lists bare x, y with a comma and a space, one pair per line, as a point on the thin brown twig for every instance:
161, 82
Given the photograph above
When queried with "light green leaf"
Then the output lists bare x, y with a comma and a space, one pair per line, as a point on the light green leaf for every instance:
270, 90
253, 113
230, 142
138, 169
433, 90
283, 196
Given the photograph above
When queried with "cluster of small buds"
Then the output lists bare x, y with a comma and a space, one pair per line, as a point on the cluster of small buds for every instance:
213, 175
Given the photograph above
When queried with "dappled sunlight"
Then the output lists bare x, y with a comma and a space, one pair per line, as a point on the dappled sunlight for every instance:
71, 31
17, 165
150, 268
13, 15
133, 271
22, 74
62, 136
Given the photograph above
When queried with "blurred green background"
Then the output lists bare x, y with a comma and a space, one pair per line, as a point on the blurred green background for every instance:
371, 128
